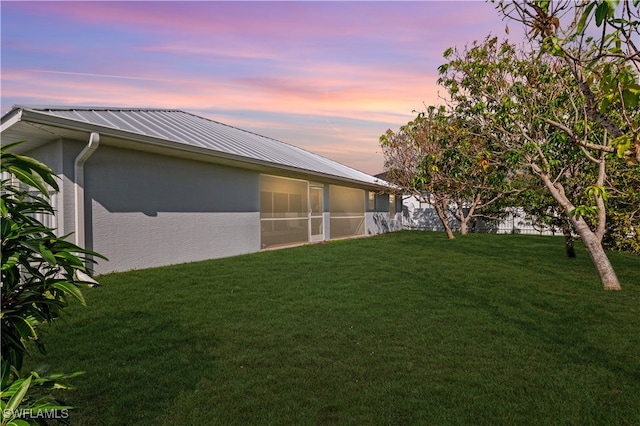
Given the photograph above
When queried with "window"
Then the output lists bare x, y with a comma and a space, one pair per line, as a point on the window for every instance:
284, 212
346, 207
372, 201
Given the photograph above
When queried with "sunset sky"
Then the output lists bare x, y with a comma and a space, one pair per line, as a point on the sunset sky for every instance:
330, 77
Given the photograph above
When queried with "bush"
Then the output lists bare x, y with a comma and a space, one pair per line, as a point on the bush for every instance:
41, 273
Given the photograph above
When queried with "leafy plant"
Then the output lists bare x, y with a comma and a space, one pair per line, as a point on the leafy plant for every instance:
450, 163
623, 207
535, 107
41, 273
27, 399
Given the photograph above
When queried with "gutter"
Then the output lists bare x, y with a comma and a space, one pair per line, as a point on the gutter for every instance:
94, 141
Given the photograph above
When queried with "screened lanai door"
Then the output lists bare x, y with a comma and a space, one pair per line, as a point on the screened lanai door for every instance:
316, 201
284, 211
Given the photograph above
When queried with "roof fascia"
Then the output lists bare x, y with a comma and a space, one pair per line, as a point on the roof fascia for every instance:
11, 118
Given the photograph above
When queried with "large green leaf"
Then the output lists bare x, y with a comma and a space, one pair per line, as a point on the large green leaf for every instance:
22, 326
583, 18
6, 374
19, 163
631, 97
47, 254
71, 289
601, 13
11, 261
15, 400
69, 258
31, 179
3, 208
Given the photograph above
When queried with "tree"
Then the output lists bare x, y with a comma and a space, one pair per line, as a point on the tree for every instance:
541, 118
404, 153
447, 162
41, 272
597, 42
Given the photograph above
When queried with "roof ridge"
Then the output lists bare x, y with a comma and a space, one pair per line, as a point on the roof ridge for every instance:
91, 108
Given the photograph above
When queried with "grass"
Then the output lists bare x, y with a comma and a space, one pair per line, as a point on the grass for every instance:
403, 328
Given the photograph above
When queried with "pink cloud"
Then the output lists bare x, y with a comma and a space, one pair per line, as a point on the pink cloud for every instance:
330, 77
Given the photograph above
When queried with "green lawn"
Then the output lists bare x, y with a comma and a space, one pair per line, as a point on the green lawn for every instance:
403, 328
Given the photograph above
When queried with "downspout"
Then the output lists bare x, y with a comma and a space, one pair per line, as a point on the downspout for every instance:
94, 141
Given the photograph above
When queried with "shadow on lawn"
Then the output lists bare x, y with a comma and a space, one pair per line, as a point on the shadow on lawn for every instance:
562, 326
153, 359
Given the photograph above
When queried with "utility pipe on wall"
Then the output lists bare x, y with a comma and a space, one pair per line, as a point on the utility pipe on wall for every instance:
94, 141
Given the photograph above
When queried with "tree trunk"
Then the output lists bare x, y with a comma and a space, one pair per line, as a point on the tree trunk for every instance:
442, 214
465, 218
598, 255
590, 239
568, 239
463, 226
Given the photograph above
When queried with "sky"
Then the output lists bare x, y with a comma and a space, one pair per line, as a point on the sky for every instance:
329, 77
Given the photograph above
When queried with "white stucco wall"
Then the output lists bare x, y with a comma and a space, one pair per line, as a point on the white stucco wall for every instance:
136, 241
145, 210
378, 220
381, 222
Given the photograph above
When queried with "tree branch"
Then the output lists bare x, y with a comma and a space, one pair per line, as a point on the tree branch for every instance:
573, 137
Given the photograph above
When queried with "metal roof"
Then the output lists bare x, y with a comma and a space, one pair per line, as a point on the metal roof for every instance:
183, 128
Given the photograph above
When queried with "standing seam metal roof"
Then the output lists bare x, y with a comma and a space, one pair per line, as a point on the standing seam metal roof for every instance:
189, 129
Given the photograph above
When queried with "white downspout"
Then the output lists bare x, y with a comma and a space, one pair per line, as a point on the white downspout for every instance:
94, 141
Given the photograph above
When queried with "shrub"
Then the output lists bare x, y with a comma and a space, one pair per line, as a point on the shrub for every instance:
41, 273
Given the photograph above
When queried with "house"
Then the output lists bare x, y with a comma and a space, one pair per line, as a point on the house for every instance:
152, 187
